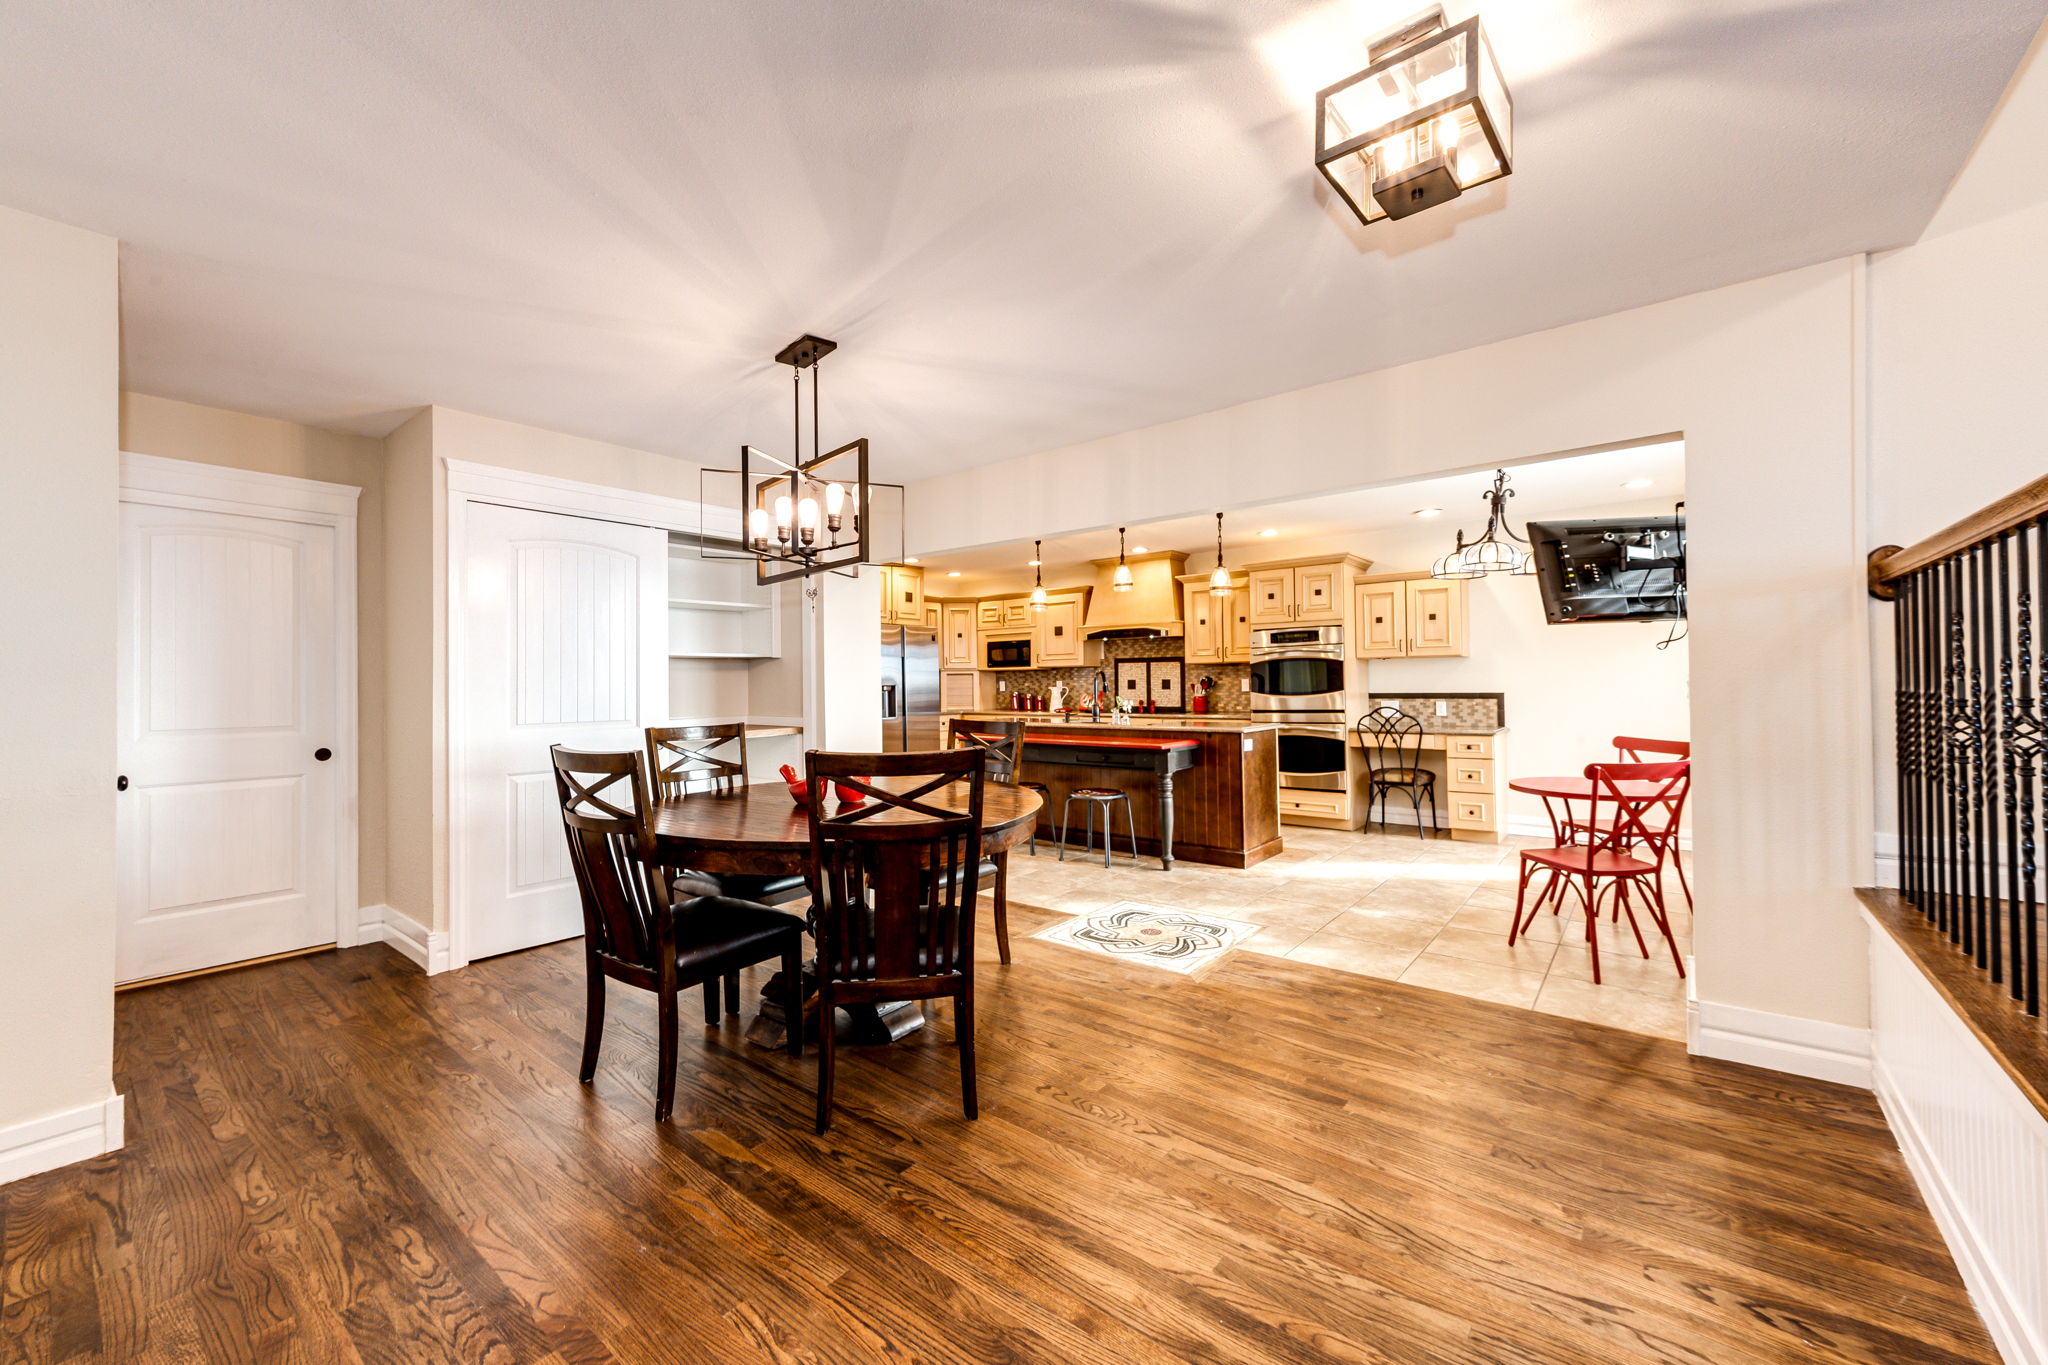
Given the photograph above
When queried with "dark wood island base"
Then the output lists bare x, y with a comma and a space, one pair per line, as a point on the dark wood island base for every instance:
1213, 791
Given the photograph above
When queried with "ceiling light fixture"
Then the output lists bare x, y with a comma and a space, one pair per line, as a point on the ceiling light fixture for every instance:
1426, 512
912, 559
1120, 581
1488, 554
1139, 550
794, 515
1038, 598
1268, 533
952, 573
1638, 483
1219, 579
1428, 119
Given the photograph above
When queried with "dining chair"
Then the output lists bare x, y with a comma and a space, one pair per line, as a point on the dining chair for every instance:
632, 931
1379, 732
712, 759
1632, 750
1605, 854
896, 878
1001, 743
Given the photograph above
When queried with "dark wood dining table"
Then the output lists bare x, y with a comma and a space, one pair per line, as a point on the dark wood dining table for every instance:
760, 830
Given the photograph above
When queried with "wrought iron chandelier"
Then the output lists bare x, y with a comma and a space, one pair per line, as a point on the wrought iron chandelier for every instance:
808, 516
1489, 553
1428, 119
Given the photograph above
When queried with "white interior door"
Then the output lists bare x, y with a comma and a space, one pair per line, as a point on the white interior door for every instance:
564, 641
227, 830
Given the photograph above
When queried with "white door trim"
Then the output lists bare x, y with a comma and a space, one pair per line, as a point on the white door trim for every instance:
154, 481
467, 483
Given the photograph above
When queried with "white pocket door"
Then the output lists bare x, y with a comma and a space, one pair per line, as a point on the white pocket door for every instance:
227, 835
564, 641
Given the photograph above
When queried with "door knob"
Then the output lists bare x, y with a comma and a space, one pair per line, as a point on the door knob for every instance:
121, 783
323, 754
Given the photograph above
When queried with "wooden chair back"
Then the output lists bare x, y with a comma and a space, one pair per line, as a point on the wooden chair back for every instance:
1380, 731
1002, 741
896, 876
1633, 749
687, 758
1650, 820
626, 913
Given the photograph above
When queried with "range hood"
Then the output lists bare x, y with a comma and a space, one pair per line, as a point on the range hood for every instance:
1149, 610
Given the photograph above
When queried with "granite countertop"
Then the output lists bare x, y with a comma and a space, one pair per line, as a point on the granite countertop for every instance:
1153, 721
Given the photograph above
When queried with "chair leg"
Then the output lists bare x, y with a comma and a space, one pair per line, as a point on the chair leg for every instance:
593, 1023
793, 1006
711, 1011
1661, 914
1516, 925
1436, 824
1003, 906
827, 1051
963, 1035
1415, 801
732, 992
1593, 927
1621, 903
665, 1056
1679, 863
1131, 829
1066, 810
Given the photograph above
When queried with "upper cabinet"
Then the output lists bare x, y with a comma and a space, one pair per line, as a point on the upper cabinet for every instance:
903, 595
1413, 617
1311, 592
1216, 630
956, 635
1058, 642
1003, 613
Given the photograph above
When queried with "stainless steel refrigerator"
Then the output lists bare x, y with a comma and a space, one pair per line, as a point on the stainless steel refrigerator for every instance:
910, 690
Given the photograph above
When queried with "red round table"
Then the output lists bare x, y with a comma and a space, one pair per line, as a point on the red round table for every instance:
1570, 789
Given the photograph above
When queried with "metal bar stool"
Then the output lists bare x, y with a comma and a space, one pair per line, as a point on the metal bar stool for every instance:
1104, 799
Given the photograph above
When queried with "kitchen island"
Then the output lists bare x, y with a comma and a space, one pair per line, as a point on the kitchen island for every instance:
1203, 788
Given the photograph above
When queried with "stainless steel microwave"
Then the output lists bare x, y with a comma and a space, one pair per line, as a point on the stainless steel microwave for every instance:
1009, 653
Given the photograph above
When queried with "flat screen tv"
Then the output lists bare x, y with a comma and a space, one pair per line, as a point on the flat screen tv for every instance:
1610, 568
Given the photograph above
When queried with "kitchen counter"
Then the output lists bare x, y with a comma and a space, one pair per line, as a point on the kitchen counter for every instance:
1150, 721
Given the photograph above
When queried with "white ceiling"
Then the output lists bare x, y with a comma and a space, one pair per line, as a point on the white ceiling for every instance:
1573, 484
1026, 224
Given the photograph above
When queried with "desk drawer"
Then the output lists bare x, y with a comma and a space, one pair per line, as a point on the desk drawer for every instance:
1322, 805
1470, 811
1469, 774
1469, 746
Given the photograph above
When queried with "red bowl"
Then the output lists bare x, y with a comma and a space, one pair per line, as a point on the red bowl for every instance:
797, 793
849, 796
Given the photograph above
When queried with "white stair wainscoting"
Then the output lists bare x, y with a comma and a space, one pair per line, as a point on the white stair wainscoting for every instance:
1779, 1042
426, 948
1975, 1144
43, 1144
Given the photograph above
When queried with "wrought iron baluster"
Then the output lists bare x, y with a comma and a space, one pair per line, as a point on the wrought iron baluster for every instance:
1977, 808
2031, 704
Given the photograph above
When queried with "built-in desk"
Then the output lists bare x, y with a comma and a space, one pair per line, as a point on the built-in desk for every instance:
1471, 783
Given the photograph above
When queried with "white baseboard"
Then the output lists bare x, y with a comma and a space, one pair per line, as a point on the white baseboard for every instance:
1778, 1042
59, 1139
427, 949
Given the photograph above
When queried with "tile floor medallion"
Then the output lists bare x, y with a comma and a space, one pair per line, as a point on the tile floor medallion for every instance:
1153, 935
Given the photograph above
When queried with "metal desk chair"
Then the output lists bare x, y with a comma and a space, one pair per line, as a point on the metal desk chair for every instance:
1380, 733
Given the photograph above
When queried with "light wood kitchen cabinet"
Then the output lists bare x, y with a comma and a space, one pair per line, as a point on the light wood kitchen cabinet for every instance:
956, 635
1413, 616
902, 595
959, 691
1312, 592
1058, 643
1215, 630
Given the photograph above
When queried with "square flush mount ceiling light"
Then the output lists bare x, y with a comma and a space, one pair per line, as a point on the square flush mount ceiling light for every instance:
1429, 119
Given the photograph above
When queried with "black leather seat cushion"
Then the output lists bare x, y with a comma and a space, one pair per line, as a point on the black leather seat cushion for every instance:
739, 886
712, 929
985, 873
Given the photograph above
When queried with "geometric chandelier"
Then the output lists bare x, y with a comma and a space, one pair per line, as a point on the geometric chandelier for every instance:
1489, 553
809, 516
1428, 119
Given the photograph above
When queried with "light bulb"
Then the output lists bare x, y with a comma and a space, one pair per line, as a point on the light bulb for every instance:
782, 515
1038, 597
757, 527
835, 504
1219, 583
1120, 581
807, 520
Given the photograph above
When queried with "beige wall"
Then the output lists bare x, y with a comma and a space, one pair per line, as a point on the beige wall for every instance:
1760, 379
59, 556
266, 445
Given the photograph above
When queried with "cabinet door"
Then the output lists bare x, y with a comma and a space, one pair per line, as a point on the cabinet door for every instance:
1198, 617
931, 617
1017, 612
1382, 620
1234, 631
1272, 597
1059, 635
989, 615
910, 596
1437, 618
1319, 592
957, 692
956, 644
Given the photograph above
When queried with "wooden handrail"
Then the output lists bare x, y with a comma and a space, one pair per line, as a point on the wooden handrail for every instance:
1889, 563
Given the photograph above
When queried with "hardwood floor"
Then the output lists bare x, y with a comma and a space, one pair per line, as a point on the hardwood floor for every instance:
335, 1158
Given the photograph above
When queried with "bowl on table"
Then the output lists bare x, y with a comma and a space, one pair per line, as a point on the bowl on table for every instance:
848, 796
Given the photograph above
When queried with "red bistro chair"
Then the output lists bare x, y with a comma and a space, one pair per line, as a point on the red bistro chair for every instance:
1633, 750
1605, 859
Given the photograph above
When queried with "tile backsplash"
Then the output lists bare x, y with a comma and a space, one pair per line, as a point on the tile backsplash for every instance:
1227, 696
1468, 711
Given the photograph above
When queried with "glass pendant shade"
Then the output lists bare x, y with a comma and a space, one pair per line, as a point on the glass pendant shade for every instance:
1120, 581
1527, 568
1489, 556
1220, 584
1449, 567
1429, 119
1038, 597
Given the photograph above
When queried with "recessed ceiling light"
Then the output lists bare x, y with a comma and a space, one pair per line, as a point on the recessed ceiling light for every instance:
1139, 550
1033, 563
911, 559
1268, 533
952, 573
1429, 511
1639, 483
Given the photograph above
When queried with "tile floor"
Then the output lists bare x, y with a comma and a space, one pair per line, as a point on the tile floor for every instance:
1431, 914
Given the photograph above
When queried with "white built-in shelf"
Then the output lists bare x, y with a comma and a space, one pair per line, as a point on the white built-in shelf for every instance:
716, 610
